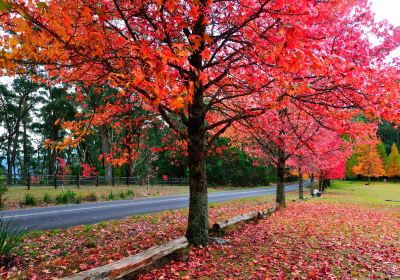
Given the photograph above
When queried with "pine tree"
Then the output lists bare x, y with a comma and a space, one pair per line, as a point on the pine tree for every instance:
393, 167
382, 153
369, 163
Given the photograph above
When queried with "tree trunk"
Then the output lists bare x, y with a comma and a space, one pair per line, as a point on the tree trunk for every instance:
197, 230
312, 178
106, 149
9, 165
14, 151
301, 189
280, 186
369, 180
52, 160
25, 161
321, 182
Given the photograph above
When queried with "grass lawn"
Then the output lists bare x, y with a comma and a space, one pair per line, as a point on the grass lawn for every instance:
15, 197
358, 192
349, 233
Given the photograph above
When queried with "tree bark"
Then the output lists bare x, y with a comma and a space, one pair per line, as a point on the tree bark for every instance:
321, 182
52, 160
312, 178
301, 188
25, 161
280, 186
9, 165
106, 149
197, 231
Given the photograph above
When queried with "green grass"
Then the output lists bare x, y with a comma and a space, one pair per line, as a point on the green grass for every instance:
358, 192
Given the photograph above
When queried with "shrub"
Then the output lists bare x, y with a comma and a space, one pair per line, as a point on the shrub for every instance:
30, 200
3, 190
91, 197
66, 197
11, 235
47, 198
122, 195
90, 243
129, 193
78, 198
111, 196
87, 228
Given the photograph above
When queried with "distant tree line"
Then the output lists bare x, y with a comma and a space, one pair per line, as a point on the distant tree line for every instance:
377, 160
31, 117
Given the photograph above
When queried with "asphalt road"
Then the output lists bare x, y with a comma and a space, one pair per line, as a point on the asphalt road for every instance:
89, 213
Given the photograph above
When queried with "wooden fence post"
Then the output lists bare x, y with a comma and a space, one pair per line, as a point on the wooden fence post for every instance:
78, 180
97, 180
55, 181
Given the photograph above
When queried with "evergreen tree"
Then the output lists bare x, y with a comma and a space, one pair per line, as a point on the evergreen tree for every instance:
382, 153
393, 167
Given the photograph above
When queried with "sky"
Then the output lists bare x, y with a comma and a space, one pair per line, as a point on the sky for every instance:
387, 9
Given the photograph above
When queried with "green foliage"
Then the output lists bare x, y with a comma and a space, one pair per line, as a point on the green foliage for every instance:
234, 167
111, 196
66, 197
11, 235
3, 191
87, 228
130, 193
78, 198
388, 134
382, 153
90, 243
122, 195
351, 162
47, 198
29, 200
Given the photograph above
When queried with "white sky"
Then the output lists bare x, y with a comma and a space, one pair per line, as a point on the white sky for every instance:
387, 9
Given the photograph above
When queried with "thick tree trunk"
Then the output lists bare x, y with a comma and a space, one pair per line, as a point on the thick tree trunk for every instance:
197, 231
301, 188
280, 186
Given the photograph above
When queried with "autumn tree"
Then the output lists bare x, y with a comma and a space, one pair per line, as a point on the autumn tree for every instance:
369, 162
393, 167
204, 65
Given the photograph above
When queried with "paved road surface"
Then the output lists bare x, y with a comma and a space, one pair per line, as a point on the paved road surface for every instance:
90, 213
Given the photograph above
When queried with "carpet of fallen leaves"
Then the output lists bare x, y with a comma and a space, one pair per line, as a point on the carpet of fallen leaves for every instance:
308, 240
58, 253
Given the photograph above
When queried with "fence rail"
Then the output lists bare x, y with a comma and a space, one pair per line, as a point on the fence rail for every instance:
58, 180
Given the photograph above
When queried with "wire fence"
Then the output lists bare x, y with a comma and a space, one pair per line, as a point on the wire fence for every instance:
34, 180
